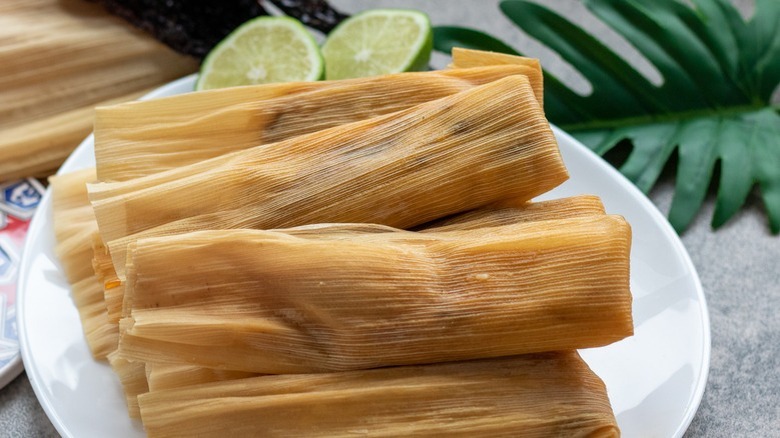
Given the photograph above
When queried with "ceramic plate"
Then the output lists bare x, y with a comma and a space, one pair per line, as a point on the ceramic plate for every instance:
655, 379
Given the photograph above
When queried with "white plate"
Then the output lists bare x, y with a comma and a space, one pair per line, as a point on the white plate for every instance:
655, 379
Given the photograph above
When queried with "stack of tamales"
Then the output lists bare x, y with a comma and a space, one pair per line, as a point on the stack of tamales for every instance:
346, 257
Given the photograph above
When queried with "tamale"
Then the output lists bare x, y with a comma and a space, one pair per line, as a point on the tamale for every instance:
470, 58
132, 376
193, 127
498, 214
44, 111
113, 288
270, 302
403, 169
74, 229
503, 213
542, 395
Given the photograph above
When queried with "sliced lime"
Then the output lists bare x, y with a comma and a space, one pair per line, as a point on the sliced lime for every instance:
378, 41
261, 51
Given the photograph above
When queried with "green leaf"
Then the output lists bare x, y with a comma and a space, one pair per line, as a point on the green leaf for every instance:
447, 37
712, 108
766, 162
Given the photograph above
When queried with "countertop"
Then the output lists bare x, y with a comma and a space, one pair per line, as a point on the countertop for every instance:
738, 266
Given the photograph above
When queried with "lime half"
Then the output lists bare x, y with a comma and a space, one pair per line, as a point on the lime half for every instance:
378, 41
261, 51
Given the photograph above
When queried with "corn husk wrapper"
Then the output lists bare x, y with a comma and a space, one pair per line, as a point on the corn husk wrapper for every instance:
269, 302
513, 211
471, 58
197, 126
503, 213
102, 335
175, 375
113, 287
553, 394
494, 215
132, 377
167, 376
73, 222
74, 228
45, 112
403, 169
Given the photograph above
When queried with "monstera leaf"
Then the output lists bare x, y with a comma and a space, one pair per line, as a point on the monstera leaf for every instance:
713, 107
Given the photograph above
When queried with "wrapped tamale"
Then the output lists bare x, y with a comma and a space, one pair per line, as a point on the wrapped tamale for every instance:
270, 302
542, 395
145, 137
74, 229
163, 376
60, 59
173, 375
502, 213
403, 169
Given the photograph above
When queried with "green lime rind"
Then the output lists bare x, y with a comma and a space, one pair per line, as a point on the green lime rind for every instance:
263, 50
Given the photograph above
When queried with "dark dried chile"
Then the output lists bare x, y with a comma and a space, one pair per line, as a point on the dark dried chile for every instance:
313, 13
194, 27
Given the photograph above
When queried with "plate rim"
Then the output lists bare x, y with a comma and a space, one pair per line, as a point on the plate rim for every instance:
692, 404
704, 367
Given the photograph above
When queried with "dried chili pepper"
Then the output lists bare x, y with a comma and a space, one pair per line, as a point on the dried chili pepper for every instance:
313, 13
194, 27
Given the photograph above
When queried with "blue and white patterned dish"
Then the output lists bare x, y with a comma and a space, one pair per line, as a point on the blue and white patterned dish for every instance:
18, 201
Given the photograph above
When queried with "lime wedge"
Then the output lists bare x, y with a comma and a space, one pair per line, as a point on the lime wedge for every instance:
378, 41
261, 51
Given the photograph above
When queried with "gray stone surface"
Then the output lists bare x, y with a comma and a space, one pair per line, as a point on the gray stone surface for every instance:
20, 413
738, 266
